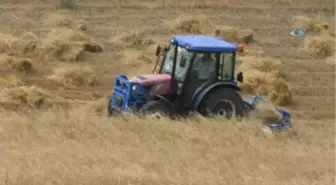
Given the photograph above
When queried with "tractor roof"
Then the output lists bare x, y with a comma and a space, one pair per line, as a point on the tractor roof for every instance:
200, 43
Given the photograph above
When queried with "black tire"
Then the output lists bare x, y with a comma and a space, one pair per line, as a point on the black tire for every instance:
111, 112
222, 101
157, 107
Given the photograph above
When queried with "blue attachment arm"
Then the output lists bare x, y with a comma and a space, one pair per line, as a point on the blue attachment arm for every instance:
128, 94
285, 116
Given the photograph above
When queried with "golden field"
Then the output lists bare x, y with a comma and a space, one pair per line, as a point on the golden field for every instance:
57, 69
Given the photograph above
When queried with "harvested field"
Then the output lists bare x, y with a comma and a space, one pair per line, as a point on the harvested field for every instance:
57, 68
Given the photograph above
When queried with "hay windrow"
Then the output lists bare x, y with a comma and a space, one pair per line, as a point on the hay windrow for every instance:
74, 75
23, 95
68, 45
134, 38
27, 45
62, 43
320, 46
264, 75
232, 34
191, 24
64, 20
314, 26
320, 41
21, 65
10, 81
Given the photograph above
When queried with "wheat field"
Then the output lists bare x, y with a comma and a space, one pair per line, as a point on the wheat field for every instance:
57, 69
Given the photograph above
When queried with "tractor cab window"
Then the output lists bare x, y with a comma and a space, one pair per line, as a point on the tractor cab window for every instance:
169, 60
205, 66
226, 66
182, 62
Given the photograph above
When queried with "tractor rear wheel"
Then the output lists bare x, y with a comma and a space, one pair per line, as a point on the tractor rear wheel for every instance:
157, 109
224, 102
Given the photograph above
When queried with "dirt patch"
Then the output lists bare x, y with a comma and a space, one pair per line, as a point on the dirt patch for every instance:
74, 75
264, 75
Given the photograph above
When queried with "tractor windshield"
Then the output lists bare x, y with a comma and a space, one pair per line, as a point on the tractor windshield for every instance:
182, 54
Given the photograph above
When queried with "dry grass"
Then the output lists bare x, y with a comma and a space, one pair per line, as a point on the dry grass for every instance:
314, 26
320, 46
202, 24
265, 75
42, 144
239, 35
22, 95
62, 19
65, 41
320, 41
23, 46
18, 64
69, 147
74, 75
190, 24
68, 45
134, 38
138, 62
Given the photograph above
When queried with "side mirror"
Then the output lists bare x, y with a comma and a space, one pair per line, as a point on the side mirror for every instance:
160, 49
240, 77
183, 62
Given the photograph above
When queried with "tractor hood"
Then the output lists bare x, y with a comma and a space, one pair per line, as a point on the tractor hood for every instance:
157, 84
152, 79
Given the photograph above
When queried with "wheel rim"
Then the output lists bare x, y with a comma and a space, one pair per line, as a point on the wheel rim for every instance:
224, 108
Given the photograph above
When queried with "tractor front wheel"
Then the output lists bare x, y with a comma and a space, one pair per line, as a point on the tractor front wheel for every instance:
225, 102
157, 109
110, 111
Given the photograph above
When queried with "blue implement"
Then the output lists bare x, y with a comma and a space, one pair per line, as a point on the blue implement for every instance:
128, 95
285, 116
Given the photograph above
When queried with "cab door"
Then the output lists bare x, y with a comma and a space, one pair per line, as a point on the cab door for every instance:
202, 72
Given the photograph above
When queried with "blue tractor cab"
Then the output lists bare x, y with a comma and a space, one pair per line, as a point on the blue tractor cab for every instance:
200, 73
